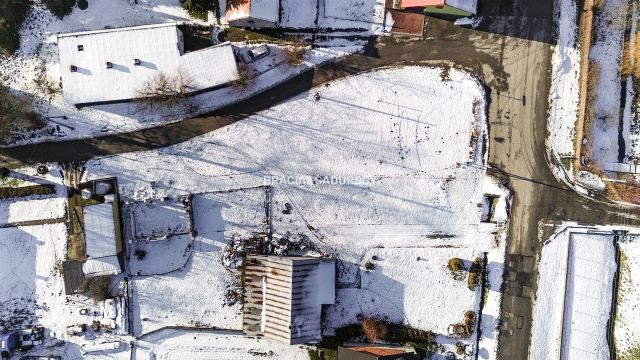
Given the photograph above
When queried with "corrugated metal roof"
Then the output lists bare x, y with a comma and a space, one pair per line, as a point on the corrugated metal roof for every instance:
99, 230
101, 266
159, 49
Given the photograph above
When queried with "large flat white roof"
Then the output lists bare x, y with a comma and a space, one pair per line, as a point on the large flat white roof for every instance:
159, 49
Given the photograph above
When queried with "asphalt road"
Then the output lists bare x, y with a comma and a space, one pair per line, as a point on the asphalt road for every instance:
511, 54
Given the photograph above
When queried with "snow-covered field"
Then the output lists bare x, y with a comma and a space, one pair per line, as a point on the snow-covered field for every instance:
389, 158
31, 283
37, 58
198, 267
564, 93
160, 219
627, 333
575, 293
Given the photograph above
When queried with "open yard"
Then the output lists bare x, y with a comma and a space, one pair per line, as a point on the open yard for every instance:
374, 160
194, 281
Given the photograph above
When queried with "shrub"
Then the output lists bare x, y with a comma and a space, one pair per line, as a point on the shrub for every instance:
60, 8
12, 14
83, 4
140, 254
12, 192
294, 54
42, 170
475, 273
374, 329
98, 287
369, 265
456, 264
245, 77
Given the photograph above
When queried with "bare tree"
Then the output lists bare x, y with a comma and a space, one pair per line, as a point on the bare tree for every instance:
374, 329
166, 90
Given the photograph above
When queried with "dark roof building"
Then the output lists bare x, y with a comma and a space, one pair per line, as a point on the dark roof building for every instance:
8, 341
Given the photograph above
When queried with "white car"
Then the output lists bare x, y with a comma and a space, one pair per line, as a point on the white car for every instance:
469, 22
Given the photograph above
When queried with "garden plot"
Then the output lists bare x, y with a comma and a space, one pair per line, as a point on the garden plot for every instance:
173, 344
380, 160
627, 333
160, 257
574, 300
160, 219
204, 289
34, 207
30, 273
410, 286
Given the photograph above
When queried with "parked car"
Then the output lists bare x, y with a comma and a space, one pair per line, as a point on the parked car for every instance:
469, 22
255, 54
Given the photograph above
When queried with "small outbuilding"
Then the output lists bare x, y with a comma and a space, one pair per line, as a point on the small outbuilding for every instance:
8, 341
284, 297
253, 13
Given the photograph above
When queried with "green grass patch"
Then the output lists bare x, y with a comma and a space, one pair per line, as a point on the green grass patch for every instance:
14, 192
263, 35
12, 14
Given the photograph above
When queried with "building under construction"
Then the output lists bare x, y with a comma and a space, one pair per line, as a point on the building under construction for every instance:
284, 297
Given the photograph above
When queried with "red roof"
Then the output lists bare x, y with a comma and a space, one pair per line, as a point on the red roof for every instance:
378, 351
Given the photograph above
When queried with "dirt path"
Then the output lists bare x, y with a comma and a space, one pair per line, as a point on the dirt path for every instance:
585, 38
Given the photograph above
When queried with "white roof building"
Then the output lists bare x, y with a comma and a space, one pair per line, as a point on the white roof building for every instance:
101, 240
284, 297
253, 13
106, 66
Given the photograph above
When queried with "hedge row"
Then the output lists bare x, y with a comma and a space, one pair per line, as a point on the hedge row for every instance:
12, 192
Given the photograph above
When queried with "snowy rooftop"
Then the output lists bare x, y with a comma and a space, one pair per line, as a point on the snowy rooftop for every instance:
258, 9
158, 48
100, 237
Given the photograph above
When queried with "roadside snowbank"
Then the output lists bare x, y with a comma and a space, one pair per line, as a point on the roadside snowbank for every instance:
565, 89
